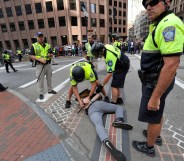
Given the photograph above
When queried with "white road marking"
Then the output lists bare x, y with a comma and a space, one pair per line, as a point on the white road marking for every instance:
57, 88
178, 81
34, 81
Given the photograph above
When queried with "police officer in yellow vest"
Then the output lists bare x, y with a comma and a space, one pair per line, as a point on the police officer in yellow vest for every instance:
42, 53
117, 43
19, 53
53, 60
87, 49
117, 68
79, 72
7, 61
159, 62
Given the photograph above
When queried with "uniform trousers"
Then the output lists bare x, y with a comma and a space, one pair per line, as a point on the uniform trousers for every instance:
42, 71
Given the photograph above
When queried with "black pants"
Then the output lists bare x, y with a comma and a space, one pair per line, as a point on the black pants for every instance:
20, 57
8, 63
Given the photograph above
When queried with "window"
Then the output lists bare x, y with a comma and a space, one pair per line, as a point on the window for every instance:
120, 4
124, 30
18, 10
51, 22
84, 3
21, 25
119, 21
25, 43
62, 21
74, 38
3, 28
93, 22
120, 13
33, 40
1, 13
9, 12
110, 29
38, 7
12, 26
115, 29
53, 40
102, 23
8, 44
124, 14
16, 43
115, 3
124, 5
31, 24
83, 21
110, 12
110, 2
49, 7
41, 23
74, 21
124, 22
64, 40
102, 9
119, 29
28, 9
73, 5
102, 38
60, 5
115, 21
93, 8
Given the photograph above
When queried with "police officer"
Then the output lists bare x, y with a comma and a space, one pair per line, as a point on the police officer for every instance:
19, 53
87, 49
7, 61
42, 53
78, 72
117, 67
117, 43
159, 62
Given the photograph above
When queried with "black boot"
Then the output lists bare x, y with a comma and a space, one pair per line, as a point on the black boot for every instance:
118, 155
2, 88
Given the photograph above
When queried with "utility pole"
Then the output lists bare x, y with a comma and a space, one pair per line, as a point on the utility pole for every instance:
86, 15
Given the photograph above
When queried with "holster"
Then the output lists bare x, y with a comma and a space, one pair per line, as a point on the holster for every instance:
150, 79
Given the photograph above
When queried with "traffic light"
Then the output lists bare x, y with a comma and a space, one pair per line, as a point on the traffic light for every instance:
114, 12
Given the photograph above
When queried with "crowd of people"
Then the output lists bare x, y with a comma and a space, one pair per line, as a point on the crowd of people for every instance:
157, 77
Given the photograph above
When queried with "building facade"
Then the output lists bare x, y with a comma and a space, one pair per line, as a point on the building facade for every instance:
61, 21
178, 8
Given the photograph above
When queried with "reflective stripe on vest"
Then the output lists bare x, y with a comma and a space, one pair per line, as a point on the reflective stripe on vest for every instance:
40, 51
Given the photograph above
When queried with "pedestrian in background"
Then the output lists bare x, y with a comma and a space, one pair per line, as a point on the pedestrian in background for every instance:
159, 62
7, 61
42, 53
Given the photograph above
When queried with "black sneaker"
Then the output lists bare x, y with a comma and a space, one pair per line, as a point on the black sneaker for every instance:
52, 92
142, 147
41, 97
15, 70
118, 155
119, 123
106, 99
158, 139
119, 101
68, 103
3, 89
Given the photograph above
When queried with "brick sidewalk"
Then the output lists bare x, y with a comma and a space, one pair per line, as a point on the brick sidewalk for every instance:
22, 132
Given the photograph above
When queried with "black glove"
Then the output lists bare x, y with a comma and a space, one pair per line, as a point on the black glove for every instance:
99, 88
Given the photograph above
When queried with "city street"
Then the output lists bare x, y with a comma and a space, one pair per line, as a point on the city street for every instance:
78, 136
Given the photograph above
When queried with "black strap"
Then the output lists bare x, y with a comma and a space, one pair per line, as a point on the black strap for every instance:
153, 37
113, 54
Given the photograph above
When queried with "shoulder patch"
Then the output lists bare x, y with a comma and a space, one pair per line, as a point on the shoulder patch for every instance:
169, 33
110, 63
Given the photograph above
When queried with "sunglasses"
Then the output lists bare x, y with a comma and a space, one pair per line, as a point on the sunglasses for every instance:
151, 3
